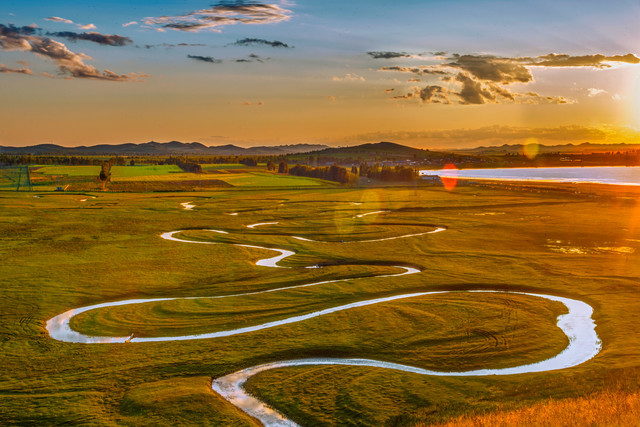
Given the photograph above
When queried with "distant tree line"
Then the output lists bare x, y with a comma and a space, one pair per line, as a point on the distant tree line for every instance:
330, 173
387, 173
28, 159
248, 161
184, 163
244, 160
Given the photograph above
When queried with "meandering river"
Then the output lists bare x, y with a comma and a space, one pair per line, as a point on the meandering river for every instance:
577, 324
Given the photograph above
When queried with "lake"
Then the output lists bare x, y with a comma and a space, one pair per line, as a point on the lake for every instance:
599, 174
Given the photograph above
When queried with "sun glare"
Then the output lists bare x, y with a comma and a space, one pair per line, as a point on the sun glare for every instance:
449, 176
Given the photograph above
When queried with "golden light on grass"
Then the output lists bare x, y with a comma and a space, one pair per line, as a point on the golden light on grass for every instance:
531, 148
610, 408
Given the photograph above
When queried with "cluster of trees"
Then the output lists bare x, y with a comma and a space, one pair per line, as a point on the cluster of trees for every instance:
248, 161
283, 167
331, 173
105, 172
387, 173
28, 159
187, 165
245, 160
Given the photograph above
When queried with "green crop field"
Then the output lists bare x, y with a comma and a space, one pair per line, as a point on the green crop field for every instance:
257, 179
92, 171
143, 171
219, 166
62, 251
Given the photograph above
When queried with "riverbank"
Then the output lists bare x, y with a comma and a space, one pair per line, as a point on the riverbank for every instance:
582, 189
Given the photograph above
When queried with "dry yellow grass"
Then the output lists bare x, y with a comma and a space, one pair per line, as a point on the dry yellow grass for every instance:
610, 408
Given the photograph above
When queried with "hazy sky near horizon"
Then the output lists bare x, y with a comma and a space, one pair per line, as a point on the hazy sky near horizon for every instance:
425, 73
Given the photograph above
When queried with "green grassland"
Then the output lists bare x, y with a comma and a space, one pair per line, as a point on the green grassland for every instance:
263, 179
241, 179
59, 252
219, 166
143, 170
69, 170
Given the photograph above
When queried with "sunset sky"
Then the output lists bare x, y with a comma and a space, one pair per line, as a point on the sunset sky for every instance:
430, 74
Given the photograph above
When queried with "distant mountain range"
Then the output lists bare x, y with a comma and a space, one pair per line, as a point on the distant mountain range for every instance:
162, 149
388, 150
585, 148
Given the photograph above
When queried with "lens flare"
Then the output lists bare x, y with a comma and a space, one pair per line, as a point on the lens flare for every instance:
449, 176
531, 148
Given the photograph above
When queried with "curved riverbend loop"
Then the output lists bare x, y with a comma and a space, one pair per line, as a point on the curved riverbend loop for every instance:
60, 329
262, 223
577, 324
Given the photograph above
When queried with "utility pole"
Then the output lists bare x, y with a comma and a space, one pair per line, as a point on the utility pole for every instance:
28, 178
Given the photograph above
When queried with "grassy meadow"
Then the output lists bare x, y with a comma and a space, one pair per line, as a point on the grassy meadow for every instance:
65, 250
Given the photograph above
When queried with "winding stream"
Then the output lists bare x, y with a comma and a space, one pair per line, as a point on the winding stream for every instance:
577, 324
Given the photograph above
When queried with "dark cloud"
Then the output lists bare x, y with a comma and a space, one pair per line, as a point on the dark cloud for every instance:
500, 91
12, 29
388, 55
104, 39
257, 58
221, 14
7, 70
486, 67
473, 92
433, 70
430, 94
435, 94
252, 58
481, 79
597, 61
70, 64
15, 38
262, 42
209, 59
170, 45
415, 70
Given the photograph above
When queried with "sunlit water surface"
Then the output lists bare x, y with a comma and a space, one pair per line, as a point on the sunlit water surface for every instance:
618, 175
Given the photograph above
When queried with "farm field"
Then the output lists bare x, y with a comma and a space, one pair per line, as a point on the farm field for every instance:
219, 166
263, 179
118, 172
150, 178
69, 170
64, 251
240, 179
